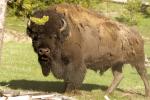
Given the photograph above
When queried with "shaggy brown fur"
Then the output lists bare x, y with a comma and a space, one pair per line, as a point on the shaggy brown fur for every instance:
90, 41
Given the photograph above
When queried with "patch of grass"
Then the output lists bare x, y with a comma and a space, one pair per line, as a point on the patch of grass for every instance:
109, 7
147, 48
144, 25
15, 23
20, 71
19, 61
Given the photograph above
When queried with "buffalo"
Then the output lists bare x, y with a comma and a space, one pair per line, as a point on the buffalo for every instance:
75, 39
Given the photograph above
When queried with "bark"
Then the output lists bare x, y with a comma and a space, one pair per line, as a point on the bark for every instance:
2, 18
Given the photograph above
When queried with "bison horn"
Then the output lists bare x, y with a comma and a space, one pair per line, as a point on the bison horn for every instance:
29, 22
64, 26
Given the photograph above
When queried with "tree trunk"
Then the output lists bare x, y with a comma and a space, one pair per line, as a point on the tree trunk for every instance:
2, 17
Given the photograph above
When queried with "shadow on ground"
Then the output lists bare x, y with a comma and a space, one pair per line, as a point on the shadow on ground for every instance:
46, 86
54, 86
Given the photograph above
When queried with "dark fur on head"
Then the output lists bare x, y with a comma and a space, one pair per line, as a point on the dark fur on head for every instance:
48, 36
51, 27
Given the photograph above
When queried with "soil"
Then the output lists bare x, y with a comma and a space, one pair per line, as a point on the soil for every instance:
11, 35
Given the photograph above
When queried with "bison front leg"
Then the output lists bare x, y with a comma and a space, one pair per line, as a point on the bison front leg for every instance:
74, 77
117, 73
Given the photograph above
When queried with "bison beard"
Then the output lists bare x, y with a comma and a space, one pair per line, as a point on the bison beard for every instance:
45, 66
75, 39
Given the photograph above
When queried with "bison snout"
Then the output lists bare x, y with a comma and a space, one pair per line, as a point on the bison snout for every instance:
44, 51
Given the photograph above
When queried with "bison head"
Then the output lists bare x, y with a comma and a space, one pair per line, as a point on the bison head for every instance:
47, 38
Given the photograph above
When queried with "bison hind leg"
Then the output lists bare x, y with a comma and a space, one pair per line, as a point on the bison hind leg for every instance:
141, 69
118, 76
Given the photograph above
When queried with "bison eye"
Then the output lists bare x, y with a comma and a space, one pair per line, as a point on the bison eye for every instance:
50, 37
35, 38
53, 36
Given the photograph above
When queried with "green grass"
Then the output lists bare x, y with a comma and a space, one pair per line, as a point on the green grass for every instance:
15, 23
144, 25
109, 7
21, 71
147, 48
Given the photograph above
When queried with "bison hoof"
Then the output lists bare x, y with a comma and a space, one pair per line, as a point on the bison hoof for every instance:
73, 92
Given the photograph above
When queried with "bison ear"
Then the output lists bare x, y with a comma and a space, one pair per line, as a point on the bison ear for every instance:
63, 31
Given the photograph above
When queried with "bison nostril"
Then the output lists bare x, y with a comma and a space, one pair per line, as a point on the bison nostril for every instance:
47, 51
44, 51
40, 51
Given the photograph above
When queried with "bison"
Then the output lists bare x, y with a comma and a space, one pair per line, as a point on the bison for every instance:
75, 38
